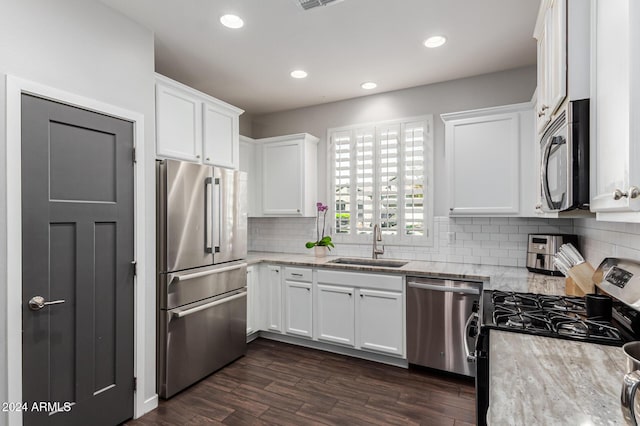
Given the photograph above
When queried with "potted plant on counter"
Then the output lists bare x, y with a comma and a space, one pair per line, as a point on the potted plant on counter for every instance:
323, 242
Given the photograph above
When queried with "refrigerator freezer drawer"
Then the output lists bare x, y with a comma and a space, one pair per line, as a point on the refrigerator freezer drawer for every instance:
198, 339
180, 288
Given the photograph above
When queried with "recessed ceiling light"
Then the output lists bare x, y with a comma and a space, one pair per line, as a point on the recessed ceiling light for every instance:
435, 41
368, 85
232, 21
298, 74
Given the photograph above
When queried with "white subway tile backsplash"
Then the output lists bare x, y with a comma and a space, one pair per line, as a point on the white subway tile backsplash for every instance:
492, 241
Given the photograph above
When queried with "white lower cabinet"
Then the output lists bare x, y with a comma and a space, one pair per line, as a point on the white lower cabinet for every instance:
299, 312
274, 298
365, 311
380, 319
351, 309
336, 314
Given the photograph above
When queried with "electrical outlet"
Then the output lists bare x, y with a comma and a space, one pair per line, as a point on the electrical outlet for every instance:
451, 237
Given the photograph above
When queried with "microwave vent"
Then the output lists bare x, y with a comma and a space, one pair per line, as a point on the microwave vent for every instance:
310, 4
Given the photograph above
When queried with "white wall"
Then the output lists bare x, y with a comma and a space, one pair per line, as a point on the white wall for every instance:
501, 88
86, 48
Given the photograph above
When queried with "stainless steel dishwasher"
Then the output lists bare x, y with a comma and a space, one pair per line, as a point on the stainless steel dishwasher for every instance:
442, 323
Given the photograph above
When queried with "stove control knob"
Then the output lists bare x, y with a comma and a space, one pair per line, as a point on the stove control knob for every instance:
475, 307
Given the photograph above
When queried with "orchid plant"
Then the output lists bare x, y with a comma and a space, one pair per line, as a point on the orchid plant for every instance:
322, 240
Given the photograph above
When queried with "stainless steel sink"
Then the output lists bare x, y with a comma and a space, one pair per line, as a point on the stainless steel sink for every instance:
369, 262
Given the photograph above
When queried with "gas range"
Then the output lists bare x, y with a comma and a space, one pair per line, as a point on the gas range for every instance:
562, 317
551, 316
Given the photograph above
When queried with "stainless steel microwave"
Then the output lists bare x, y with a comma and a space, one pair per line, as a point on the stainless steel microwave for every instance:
564, 168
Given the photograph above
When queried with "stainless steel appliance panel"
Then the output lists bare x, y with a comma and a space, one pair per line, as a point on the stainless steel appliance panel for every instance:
181, 288
200, 338
541, 249
184, 215
230, 215
439, 314
564, 167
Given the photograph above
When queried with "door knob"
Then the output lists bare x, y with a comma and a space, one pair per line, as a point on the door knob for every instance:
37, 302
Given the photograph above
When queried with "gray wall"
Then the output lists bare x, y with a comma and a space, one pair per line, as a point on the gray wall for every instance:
501, 88
86, 48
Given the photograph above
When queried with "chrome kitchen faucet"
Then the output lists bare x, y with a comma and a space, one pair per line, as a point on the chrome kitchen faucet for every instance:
377, 236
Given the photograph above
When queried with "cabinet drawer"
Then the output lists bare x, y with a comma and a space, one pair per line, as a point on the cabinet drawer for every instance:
356, 279
298, 274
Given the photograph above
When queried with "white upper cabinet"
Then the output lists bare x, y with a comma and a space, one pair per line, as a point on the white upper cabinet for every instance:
193, 126
562, 33
178, 132
289, 175
487, 173
615, 110
551, 33
220, 135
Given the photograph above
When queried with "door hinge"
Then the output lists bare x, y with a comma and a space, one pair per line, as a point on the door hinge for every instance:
134, 264
133, 154
135, 383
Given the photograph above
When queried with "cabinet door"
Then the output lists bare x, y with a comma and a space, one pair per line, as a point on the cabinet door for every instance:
336, 314
556, 29
483, 157
299, 313
252, 298
283, 182
274, 315
615, 102
220, 135
178, 118
380, 321
542, 92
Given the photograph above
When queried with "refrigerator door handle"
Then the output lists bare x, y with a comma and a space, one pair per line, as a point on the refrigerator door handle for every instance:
178, 313
218, 212
181, 276
208, 215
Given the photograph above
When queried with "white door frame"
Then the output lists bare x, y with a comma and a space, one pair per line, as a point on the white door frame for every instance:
15, 88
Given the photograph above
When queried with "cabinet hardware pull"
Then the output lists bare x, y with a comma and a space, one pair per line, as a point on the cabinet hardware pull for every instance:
295, 274
544, 107
618, 194
634, 192
198, 156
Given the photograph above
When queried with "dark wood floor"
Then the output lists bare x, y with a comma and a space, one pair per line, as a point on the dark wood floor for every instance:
277, 383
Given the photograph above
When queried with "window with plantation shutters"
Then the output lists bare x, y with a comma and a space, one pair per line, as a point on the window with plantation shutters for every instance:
380, 174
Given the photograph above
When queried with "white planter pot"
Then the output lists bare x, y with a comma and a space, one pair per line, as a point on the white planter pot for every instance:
320, 251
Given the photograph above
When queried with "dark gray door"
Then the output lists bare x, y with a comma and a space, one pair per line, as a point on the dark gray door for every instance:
77, 246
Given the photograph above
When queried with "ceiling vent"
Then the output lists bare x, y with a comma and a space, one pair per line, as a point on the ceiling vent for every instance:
310, 4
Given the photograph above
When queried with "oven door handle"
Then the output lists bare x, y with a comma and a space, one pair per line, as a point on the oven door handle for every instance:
177, 313
471, 355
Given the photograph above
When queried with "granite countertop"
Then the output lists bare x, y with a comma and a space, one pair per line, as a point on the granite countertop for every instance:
494, 277
538, 380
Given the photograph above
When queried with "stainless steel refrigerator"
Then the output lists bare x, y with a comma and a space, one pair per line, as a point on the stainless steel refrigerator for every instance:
202, 244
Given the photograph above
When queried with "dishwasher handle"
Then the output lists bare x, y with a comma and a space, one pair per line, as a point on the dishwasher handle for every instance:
461, 290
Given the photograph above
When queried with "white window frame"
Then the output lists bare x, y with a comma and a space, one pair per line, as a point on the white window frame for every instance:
400, 239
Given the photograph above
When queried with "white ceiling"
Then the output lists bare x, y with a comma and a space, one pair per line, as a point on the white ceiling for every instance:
340, 46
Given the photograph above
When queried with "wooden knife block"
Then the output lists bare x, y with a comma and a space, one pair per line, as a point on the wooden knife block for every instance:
571, 289
581, 277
